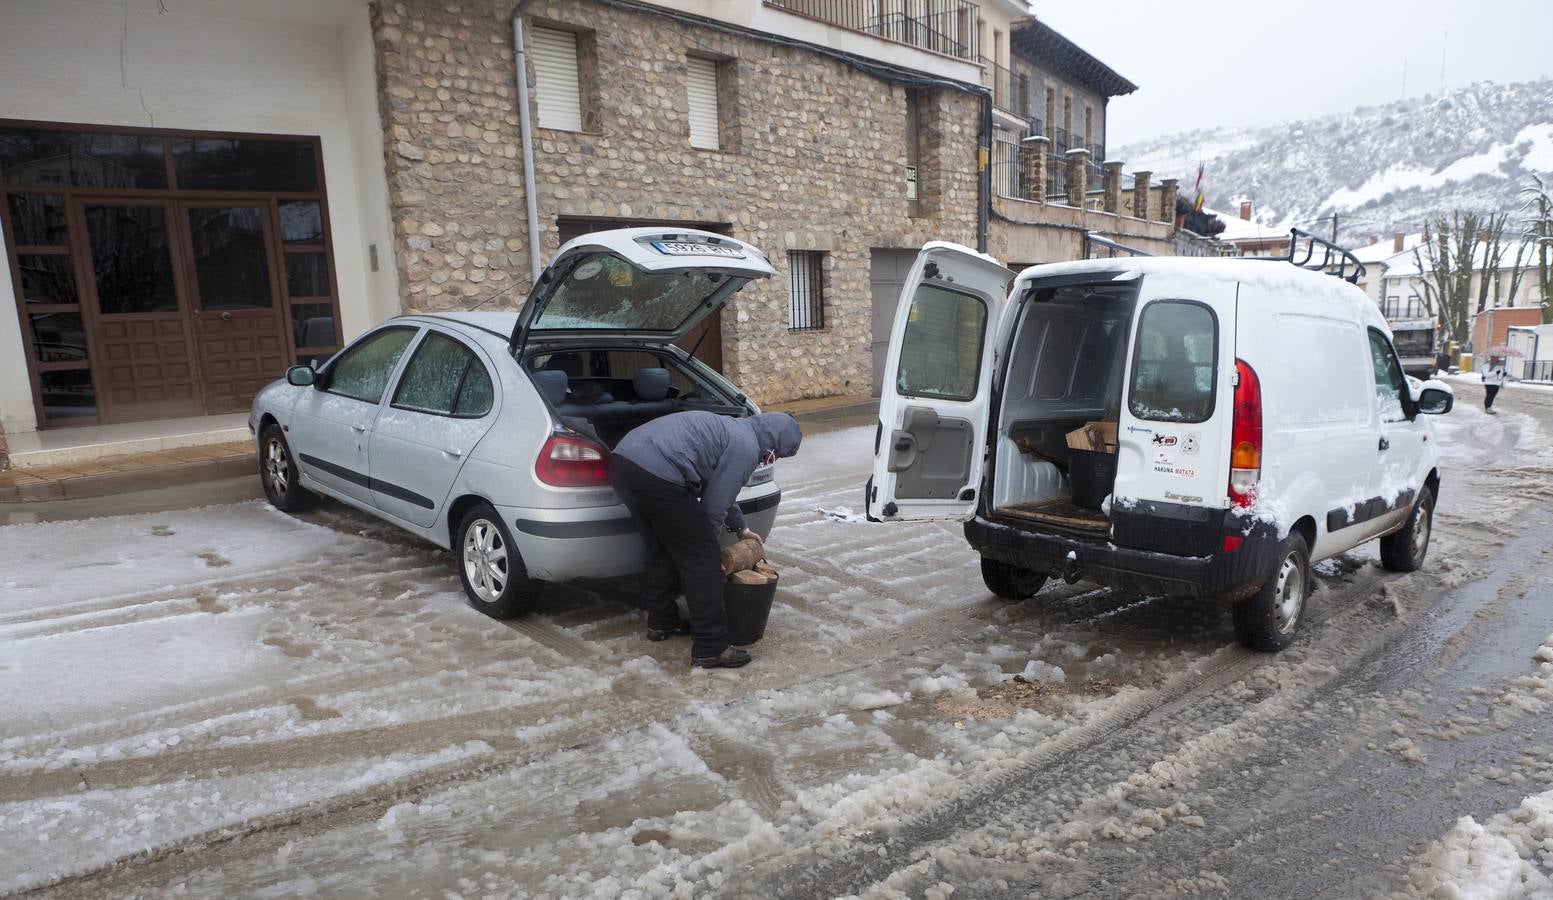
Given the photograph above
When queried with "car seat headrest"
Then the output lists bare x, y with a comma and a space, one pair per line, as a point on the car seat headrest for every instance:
651, 384
552, 384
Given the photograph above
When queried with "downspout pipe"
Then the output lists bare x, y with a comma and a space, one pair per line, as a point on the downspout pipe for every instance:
525, 136
984, 178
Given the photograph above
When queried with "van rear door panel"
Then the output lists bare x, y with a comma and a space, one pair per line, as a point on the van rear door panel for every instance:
1173, 437
935, 403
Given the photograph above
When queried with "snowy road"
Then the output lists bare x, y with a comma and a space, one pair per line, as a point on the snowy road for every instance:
230, 702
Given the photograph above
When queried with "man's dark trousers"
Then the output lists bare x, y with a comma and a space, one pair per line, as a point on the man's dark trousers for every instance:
682, 552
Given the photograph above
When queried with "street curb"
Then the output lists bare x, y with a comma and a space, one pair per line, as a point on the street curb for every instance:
832, 413
107, 483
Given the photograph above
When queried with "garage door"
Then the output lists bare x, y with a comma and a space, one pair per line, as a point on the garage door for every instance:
886, 276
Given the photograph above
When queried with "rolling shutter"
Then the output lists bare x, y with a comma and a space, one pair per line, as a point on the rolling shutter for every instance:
701, 83
555, 79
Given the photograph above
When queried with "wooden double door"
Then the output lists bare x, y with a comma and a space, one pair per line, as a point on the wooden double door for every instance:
181, 302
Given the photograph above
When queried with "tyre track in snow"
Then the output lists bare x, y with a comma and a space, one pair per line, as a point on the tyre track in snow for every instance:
830, 872
947, 625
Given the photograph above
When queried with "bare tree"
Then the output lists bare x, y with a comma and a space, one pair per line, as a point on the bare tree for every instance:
1445, 263
1538, 207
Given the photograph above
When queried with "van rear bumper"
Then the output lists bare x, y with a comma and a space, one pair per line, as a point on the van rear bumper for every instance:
1231, 576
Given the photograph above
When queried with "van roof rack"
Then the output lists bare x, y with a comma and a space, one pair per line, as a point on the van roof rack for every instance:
1093, 240
1331, 255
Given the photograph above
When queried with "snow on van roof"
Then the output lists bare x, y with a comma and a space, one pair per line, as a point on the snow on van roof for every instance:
1327, 292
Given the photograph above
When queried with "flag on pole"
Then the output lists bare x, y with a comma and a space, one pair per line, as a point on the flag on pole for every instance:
1198, 204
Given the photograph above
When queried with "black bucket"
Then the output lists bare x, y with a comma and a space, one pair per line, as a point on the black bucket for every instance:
1091, 475
746, 607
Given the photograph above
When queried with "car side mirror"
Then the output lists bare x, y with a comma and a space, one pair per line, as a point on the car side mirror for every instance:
301, 376
1434, 402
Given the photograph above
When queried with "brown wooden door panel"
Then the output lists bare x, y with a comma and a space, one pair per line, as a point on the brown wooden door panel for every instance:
238, 328
136, 312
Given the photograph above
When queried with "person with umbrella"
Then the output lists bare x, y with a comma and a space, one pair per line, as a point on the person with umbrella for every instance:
1493, 380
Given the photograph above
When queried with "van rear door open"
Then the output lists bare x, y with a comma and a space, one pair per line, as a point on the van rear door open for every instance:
935, 401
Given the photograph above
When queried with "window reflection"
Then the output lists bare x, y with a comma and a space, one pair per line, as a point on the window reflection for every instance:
57, 337
46, 278
38, 220
232, 164
38, 156
68, 395
131, 259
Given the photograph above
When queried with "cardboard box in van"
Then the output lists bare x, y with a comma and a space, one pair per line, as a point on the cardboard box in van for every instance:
1097, 437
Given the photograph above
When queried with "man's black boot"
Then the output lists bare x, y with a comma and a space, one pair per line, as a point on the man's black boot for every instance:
730, 658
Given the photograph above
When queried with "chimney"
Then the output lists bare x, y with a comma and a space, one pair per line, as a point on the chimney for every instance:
1245, 210
1396, 241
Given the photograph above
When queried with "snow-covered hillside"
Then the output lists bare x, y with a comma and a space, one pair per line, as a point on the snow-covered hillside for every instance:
1381, 168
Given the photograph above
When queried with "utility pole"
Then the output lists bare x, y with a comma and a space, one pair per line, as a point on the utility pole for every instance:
1334, 227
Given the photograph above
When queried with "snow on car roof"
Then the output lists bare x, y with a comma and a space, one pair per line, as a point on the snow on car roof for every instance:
1184, 270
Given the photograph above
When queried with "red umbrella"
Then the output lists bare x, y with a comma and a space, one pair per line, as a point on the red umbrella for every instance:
1503, 351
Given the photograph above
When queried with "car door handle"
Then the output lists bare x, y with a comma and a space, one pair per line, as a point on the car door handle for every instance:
452, 451
358, 428
1385, 444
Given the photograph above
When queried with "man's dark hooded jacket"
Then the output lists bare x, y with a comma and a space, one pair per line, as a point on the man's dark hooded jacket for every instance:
713, 455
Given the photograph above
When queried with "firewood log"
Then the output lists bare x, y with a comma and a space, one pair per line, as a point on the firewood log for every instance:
742, 556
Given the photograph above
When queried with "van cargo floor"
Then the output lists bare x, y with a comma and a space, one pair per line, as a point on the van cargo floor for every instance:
1061, 512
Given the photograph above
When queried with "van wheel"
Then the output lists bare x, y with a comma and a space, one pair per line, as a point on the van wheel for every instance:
1404, 550
1010, 582
489, 565
1267, 620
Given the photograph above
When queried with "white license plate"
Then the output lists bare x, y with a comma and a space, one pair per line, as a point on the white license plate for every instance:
688, 248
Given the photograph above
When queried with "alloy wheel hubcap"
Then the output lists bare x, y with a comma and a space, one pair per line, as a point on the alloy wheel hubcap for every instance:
1291, 594
485, 560
277, 466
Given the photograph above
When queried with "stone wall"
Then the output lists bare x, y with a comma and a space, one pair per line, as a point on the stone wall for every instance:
1028, 233
817, 165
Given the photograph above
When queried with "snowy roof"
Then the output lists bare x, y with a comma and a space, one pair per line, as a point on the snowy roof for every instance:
1183, 270
1237, 229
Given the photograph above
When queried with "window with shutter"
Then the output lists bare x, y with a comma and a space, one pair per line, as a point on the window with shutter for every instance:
701, 84
556, 80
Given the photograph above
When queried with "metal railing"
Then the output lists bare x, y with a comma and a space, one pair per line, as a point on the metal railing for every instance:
1012, 91
1007, 173
942, 26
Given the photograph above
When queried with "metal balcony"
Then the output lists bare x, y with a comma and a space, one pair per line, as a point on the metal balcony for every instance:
940, 26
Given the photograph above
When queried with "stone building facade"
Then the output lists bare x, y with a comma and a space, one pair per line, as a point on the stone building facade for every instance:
813, 150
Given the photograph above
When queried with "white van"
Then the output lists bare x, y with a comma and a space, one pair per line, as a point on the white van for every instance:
1184, 426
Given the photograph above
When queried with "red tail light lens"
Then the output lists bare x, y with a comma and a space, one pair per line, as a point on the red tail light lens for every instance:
1245, 458
572, 462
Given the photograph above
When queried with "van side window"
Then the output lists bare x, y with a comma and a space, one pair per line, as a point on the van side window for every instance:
1175, 363
1390, 385
941, 349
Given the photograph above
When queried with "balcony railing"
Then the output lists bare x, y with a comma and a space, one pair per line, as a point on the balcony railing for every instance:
942, 26
1011, 91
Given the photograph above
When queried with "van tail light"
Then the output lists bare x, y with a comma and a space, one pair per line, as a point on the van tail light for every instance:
1245, 457
572, 462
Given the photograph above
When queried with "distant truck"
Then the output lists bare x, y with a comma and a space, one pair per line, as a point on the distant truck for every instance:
1415, 343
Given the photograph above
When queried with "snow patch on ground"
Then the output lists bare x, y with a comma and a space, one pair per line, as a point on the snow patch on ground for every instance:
1509, 856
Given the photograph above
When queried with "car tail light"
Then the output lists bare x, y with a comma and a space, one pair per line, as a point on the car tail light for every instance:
572, 462
1245, 457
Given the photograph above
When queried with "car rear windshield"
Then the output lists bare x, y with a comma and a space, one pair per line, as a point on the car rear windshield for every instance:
605, 292
1174, 367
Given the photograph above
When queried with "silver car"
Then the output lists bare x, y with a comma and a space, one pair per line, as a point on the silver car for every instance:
489, 433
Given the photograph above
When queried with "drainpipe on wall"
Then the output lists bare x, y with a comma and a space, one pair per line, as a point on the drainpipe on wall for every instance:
526, 137
984, 183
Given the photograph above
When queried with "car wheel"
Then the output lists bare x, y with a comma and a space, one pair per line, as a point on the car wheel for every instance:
1404, 550
1010, 582
1268, 619
489, 565
278, 472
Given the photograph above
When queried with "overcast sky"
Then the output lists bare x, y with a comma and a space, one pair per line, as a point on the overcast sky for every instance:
1200, 64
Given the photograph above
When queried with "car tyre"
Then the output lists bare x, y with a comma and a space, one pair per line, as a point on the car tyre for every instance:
1404, 550
489, 565
1267, 620
1010, 582
278, 472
